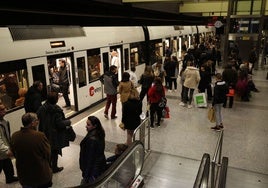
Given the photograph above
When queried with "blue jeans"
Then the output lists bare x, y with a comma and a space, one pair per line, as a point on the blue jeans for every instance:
218, 115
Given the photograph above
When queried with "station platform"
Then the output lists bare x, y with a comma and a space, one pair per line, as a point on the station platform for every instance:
178, 144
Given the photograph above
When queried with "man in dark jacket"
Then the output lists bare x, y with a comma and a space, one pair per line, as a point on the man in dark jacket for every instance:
54, 124
32, 152
33, 97
64, 82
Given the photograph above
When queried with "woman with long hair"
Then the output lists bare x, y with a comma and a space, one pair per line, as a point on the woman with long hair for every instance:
92, 159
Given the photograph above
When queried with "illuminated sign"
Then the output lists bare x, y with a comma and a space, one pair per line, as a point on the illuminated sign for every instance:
57, 44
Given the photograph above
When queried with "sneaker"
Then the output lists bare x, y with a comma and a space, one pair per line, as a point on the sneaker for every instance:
157, 124
114, 117
152, 127
190, 106
221, 126
175, 90
216, 128
169, 91
106, 116
182, 104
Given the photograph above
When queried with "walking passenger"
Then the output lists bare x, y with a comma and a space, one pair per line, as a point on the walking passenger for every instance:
92, 160
5, 151
32, 152
220, 91
110, 81
54, 124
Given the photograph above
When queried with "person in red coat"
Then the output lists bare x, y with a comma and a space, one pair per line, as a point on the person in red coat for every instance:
155, 93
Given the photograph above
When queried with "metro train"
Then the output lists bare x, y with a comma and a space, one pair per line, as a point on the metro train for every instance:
30, 53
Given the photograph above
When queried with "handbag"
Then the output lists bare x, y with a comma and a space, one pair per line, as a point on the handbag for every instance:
165, 112
163, 102
134, 93
70, 133
211, 114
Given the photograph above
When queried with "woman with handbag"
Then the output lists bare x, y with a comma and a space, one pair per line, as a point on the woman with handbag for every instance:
155, 94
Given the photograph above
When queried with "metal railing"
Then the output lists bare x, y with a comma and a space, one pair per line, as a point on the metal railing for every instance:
203, 172
142, 133
216, 160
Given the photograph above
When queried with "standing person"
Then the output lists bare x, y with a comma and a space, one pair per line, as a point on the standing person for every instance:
191, 81
171, 68
92, 160
110, 81
33, 97
32, 152
133, 77
230, 76
205, 82
132, 109
64, 81
5, 151
155, 93
252, 58
124, 87
146, 81
220, 91
54, 124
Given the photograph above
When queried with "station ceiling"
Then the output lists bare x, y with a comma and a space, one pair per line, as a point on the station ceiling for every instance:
95, 13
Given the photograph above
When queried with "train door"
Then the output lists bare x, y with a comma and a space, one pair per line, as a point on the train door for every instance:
105, 56
53, 66
81, 75
126, 62
37, 70
116, 59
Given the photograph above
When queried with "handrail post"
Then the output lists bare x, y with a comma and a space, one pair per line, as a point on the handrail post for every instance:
212, 174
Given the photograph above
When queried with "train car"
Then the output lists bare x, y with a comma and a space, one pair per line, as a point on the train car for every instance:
30, 53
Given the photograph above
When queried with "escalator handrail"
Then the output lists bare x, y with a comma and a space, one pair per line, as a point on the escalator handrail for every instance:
223, 173
203, 172
114, 167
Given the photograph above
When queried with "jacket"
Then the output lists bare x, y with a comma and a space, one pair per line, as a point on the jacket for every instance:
220, 91
124, 90
4, 138
191, 77
132, 109
53, 123
154, 95
110, 81
92, 160
32, 152
33, 100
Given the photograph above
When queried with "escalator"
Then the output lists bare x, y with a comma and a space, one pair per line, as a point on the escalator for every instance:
124, 172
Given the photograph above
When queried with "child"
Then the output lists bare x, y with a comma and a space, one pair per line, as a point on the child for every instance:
120, 148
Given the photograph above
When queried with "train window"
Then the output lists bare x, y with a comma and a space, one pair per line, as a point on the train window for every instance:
157, 48
13, 83
137, 53
81, 66
94, 61
134, 56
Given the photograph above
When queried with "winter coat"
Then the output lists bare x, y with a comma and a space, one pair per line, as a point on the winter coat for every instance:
230, 76
205, 80
53, 123
154, 95
191, 77
124, 90
33, 100
146, 81
110, 82
32, 152
132, 109
220, 91
4, 138
92, 159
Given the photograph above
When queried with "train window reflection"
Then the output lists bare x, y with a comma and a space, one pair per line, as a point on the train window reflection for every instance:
13, 83
81, 71
94, 61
